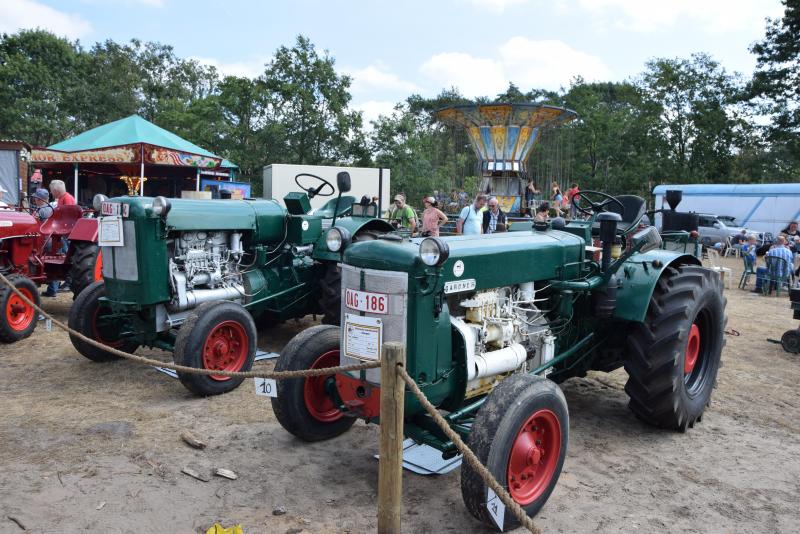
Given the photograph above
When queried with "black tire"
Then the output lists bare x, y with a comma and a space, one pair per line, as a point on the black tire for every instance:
318, 344
17, 319
331, 294
217, 335
82, 270
520, 403
790, 341
685, 323
83, 316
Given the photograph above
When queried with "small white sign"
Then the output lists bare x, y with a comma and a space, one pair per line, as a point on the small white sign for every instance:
496, 508
110, 232
457, 286
363, 337
304, 225
458, 268
266, 387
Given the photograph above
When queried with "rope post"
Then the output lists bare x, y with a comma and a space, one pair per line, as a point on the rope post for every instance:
390, 468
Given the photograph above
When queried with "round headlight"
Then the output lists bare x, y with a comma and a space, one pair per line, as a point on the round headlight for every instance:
433, 251
337, 238
161, 206
97, 201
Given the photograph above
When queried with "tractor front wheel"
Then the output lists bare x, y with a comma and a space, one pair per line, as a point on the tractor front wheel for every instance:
218, 335
674, 355
303, 406
88, 315
520, 434
18, 318
86, 266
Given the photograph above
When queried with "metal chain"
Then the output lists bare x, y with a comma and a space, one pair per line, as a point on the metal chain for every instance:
469, 456
277, 375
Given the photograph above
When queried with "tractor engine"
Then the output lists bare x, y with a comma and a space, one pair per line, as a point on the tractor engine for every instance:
204, 266
503, 330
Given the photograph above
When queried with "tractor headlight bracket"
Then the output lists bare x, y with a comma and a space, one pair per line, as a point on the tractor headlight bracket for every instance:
161, 206
337, 239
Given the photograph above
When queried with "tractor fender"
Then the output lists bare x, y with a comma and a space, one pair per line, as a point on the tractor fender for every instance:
638, 277
354, 225
84, 230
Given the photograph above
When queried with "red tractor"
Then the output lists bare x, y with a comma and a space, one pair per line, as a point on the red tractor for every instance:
31, 254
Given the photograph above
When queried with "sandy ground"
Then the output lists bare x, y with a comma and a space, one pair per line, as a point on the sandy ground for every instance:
88, 447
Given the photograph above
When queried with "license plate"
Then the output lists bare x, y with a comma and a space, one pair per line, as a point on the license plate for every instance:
114, 208
366, 301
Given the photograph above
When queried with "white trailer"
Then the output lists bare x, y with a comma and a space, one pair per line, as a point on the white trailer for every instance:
759, 207
279, 180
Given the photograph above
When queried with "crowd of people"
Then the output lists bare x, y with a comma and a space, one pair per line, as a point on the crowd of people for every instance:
785, 248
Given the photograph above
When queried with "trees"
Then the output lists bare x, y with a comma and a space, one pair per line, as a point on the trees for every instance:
775, 87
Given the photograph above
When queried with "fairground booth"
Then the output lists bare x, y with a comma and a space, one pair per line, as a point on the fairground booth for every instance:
133, 156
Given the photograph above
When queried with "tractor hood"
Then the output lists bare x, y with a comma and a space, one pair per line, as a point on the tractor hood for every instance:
492, 260
15, 223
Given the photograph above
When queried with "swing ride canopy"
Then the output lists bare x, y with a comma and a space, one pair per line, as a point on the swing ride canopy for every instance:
503, 135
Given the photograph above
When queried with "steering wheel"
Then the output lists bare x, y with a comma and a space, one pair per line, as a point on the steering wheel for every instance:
311, 191
595, 207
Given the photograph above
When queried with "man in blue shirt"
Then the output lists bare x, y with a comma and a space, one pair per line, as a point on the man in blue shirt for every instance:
782, 269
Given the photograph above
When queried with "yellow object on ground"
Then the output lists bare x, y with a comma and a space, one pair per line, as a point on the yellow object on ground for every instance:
219, 529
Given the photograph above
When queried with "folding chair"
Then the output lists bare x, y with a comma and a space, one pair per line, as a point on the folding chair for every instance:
749, 268
725, 272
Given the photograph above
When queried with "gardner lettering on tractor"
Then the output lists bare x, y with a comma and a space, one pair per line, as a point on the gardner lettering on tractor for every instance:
194, 277
492, 323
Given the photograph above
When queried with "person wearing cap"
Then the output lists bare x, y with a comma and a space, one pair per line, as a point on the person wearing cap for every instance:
494, 219
402, 215
432, 217
41, 201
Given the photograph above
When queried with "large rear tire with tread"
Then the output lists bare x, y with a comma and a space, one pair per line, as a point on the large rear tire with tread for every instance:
303, 406
674, 355
331, 294
219, 335
85, 316
520, 434
18, 319
85, 266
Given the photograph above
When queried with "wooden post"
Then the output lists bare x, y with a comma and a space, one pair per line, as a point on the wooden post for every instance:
390, 468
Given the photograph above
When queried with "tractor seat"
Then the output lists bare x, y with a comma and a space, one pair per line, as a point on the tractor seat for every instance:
62, 221
635, 207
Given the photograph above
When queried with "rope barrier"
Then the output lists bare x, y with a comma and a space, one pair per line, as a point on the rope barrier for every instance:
277, 375
469, 456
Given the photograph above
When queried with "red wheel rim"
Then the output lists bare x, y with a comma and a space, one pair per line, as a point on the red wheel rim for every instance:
534, 457
98, 267
226, 349
692, 349
19, 315
318, 403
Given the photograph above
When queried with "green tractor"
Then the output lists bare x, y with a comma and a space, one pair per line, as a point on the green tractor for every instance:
195, 277
492, 323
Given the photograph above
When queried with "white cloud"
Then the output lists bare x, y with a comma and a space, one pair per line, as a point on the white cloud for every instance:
545, 64
378, 78
29, 14
496, 6
372, 109
716, 16
250, 68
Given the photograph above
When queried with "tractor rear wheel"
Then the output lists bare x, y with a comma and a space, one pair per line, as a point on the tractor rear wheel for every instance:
86, 266
520, 434
18, 319
303, 406
674, 355
218, 335
331, 294
86, 316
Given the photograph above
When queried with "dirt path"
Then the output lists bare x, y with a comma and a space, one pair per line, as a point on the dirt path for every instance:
96, 447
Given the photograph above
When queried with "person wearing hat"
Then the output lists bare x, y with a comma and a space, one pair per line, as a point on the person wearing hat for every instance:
41, 201
432, 217
402, 215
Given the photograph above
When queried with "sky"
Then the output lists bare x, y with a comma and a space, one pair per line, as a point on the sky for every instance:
394, 49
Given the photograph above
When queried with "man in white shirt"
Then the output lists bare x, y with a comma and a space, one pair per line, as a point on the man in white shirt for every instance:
470, 219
